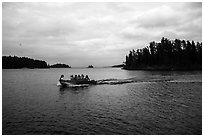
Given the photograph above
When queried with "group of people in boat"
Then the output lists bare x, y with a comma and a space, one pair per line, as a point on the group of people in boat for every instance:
79, 78
75, 78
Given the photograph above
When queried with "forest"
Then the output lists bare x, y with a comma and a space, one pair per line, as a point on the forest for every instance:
9, 62
166, 55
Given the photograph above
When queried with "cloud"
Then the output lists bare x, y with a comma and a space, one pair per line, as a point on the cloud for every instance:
166, 16
97, 33
171, 21
193, 5
160, 17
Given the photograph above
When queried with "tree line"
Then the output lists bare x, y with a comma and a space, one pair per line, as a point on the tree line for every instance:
167, 54
9, 62
59, 65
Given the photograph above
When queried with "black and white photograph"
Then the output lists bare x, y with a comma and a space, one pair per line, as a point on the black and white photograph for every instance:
101, 68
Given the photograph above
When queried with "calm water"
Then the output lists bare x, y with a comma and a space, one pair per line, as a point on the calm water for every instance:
155, 103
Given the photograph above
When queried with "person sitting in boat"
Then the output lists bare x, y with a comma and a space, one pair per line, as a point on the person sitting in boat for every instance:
78, 77
61, 78
75, 77
82, 76
72, 78
87, 78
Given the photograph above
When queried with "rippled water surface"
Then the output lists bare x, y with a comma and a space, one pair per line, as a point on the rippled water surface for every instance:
153, 103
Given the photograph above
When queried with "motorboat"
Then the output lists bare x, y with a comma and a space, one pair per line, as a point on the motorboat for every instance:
75, 84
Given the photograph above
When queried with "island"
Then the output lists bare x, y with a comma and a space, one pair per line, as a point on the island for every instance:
14, 62
166, 55
9, 62
90, 66
58, 65
118, 66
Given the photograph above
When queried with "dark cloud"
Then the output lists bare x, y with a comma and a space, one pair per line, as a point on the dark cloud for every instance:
193, 5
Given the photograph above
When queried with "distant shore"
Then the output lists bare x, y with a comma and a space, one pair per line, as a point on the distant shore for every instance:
182, 55
166, 68
14, 62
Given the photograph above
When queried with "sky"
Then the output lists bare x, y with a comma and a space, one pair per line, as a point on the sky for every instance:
99, 34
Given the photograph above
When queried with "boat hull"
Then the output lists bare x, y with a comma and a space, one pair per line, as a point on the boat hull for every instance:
71, 85
92, 82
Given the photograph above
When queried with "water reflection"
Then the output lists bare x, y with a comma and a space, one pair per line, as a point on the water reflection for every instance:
65, 92
72, 89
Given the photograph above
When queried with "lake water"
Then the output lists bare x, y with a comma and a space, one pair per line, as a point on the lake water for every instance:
155, 102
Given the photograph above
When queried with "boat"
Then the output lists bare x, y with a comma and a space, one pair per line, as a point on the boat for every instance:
91, 82
71, 85
75, 84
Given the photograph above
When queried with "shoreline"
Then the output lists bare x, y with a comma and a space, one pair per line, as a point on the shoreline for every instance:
165, 68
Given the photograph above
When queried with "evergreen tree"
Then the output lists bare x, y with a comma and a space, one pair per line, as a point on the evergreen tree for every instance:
167, 53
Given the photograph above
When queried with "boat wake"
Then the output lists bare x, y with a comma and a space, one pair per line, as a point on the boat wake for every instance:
132, 80
152, 79
114, 81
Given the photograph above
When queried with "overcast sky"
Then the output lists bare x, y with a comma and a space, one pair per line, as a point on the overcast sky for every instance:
101, 34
